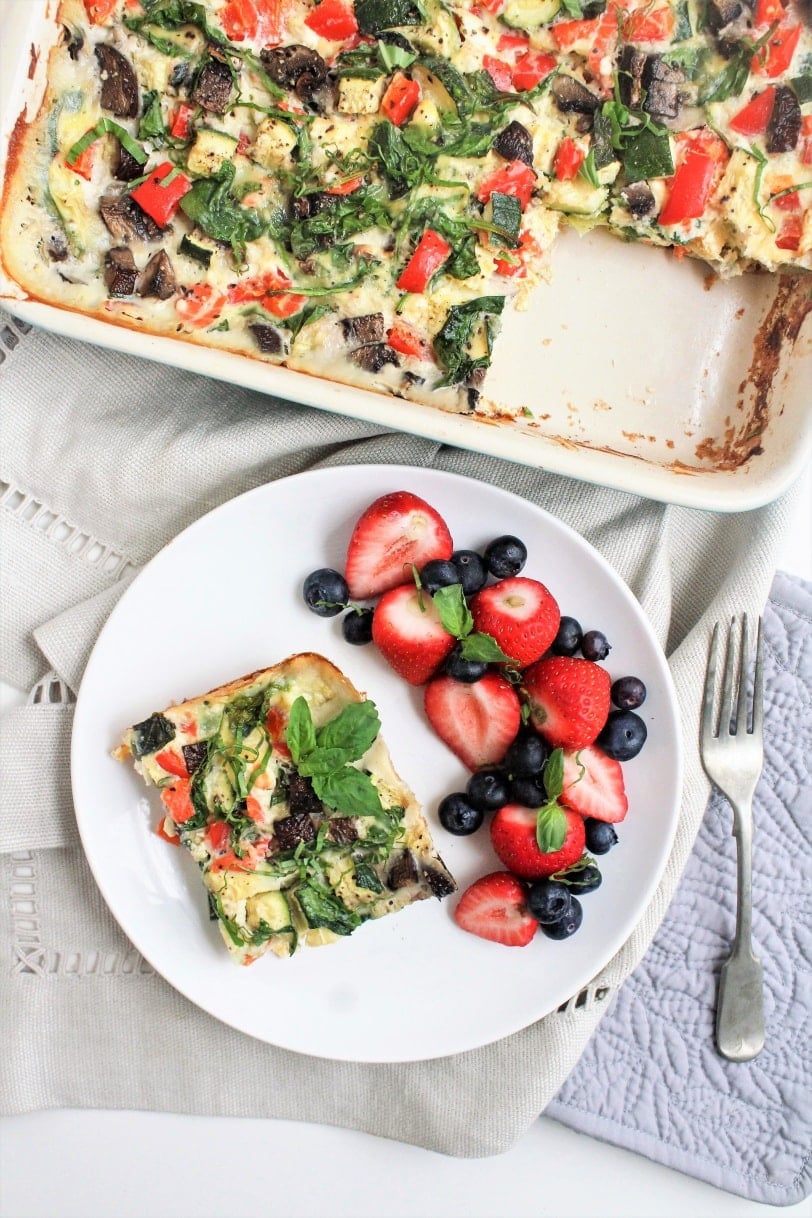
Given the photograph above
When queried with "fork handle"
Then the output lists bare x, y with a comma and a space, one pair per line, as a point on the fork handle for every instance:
740, 1005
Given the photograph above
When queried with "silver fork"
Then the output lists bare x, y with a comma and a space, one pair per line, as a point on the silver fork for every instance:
732, 751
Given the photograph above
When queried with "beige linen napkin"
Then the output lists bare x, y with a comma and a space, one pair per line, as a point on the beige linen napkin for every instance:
104, 459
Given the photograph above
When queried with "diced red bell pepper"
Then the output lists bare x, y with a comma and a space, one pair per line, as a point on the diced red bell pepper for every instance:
399, 101
99, 10
201, 304
172, 762
580, 29
569, 158
791, 232
649, 25
514, 262
775, 56
161, 830
218, 835
333, 19
430, 253
493, 6
753, 118
406, 340
516, 179
158, 201
531, 69
806, 140
788, 202
344, 188
240, 20
181, 121
276, 722
253, 809
178, 801
690, 188
512, 42
83, 165
499, 72
768, 11
269, 289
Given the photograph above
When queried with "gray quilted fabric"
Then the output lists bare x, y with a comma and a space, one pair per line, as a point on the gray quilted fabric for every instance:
650, 1079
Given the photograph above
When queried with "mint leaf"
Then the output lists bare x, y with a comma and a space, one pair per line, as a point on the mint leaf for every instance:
554, 774
452, 607
551, 827
352, 731
483, 647
349, 791
300, 734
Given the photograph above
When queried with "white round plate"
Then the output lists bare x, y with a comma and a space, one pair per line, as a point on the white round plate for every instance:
224, 599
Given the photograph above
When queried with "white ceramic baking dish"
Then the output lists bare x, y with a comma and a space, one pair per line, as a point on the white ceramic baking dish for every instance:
630, 369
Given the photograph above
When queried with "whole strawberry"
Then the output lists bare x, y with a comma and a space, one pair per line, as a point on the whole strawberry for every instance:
407, 631
569, 700
396, 532
495, 908
521, 614
477, 721
537, 842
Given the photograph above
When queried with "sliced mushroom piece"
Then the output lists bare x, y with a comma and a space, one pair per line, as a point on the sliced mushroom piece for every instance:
639, 199
572, 97
374, 356
661, 82
630, 65
57, 248
301, 796
119, 84
342, 829
440, 882
213, 87
125, 219
158, 277
120, 272
403, 871
720, 13
126, 168
291, 830
784, 126
515, 143
285, 65
366, 329
268, 339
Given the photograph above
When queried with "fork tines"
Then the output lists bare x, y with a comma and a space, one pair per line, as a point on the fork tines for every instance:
735, 683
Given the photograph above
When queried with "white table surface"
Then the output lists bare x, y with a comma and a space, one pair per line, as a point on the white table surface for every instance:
87, 1164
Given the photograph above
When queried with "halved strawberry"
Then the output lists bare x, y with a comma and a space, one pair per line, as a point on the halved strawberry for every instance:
513, 835
407, 630
477, 721
494, 908
569, 700
521, 614
396, 531
594, 786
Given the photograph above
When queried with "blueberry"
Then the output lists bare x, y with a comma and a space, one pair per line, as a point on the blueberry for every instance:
623, 735
438, 573
587, 879
326, 592
549, 901
470, 569
600, 836
568, 924
528, 792
595, 645
356, 626
526, 755
457, 816
505, 556
568, 639
467, 671
488, 790
628, 693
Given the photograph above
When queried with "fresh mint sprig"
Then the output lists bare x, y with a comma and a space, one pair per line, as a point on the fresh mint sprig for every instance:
456, 618
551, 819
